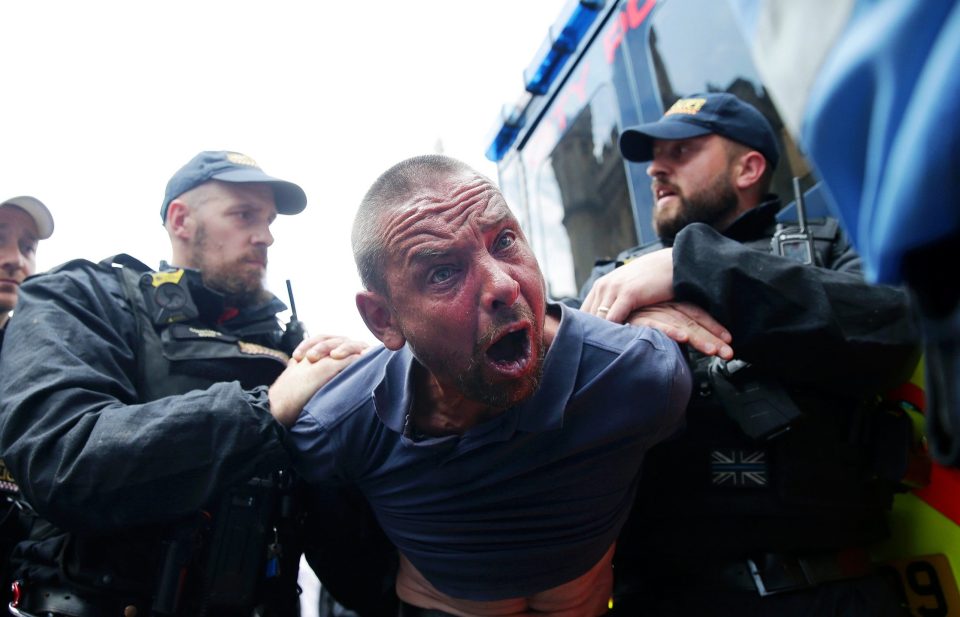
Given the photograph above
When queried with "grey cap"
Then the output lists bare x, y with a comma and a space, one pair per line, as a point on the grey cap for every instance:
39, 212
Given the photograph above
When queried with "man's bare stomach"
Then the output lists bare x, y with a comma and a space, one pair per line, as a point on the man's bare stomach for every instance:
584, 596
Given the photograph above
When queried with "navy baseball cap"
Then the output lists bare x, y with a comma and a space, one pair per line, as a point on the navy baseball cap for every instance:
229, 166
701, 114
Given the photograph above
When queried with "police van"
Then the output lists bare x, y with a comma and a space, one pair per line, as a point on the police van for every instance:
608, 65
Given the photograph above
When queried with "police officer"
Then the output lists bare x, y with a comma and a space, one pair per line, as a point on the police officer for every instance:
24, 221
136, 414
764, 505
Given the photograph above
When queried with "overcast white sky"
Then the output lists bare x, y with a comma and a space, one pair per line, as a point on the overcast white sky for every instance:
104, 100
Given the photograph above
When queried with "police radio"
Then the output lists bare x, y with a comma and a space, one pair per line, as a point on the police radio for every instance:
294, 332
792, 242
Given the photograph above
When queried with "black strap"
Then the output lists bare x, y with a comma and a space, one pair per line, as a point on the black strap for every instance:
774, 573
127, 261
763, 574
128, 282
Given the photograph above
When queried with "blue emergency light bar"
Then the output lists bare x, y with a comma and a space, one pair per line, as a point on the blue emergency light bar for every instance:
507, 128
564, 36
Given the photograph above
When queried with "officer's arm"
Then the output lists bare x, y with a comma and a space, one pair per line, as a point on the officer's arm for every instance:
843, 258
87, 454
808, 323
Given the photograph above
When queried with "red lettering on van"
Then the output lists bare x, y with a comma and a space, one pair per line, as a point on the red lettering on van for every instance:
629, 18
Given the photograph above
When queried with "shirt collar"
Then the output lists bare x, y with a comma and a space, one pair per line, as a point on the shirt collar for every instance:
392, 396
544, 410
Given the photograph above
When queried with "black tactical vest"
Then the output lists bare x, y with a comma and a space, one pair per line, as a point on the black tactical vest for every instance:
180, 348
243, 551
727, 487
240, 564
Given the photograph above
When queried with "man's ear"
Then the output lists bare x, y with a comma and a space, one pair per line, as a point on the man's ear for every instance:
375, 311
749, 170
179, 220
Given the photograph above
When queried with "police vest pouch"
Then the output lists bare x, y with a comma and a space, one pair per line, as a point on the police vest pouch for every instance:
184, 333
238, 557
756, 402
186, 342
200, 355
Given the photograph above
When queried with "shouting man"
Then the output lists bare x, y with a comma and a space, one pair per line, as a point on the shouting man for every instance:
498, 437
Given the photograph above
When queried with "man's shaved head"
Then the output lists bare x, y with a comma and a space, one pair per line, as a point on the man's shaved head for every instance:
395, 186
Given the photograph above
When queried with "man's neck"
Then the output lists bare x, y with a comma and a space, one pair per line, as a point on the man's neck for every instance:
180, 257
443, 410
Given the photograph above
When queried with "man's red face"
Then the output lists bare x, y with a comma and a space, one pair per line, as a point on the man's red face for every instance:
466, 292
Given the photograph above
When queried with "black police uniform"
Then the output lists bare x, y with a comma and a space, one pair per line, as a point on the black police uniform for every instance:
14, 525
775, 486
147, 448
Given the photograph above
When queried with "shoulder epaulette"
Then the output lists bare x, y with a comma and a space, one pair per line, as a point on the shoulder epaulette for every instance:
126, 261
824, 229
70, 265
121, 259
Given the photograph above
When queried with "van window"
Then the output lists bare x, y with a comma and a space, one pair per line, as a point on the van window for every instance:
709, 54
582, 208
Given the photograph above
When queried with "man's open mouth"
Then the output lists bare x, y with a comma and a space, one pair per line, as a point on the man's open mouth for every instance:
510, 353
663, 190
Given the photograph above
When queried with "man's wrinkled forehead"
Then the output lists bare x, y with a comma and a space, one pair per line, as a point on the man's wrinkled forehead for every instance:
444, 206
455, 194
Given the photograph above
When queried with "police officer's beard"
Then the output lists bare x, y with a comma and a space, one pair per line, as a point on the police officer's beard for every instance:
711, 205
240, 288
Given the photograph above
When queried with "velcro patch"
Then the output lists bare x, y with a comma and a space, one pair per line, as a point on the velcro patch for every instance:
738, 468
686, 106
241, 159
260, 350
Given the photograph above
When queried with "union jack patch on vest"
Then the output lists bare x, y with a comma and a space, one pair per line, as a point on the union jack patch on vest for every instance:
738, 468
